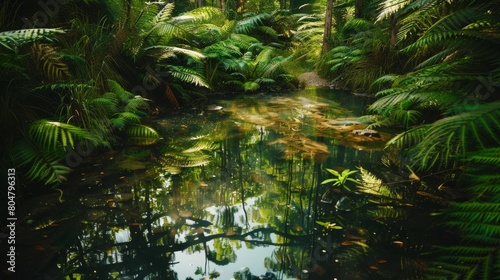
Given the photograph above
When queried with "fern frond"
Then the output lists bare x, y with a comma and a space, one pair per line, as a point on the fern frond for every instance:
250, 86
122, 119
44, 164
408, 138
15, 38
142, 135
390, 7
486, 156
188, 75
165, 52
46, 133
109, 105
246, 25
164, 14
121, 94
51, 59
471, 129
198, 15
136, 104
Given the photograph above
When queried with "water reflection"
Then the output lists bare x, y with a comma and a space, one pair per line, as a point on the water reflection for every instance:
232, 193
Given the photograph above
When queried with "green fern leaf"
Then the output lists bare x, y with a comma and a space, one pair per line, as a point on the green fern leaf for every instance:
250, 86
15, 38
52, 134
121, 94
142, 135
188, 75
249, 23
136, 104
44, 164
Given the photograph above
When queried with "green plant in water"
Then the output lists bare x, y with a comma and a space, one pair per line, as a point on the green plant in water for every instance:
341, 178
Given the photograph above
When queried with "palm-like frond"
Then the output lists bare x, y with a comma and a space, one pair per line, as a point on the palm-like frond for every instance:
164, 14
122, 119
136, 104
51, 62
199, 15
476, 255
119, 92
44, 164
249, 23
51, 134
164, 52
473, 129
142, 135
250, 86
390, 7
15, 38
486, 156
188, 75
109, 105
409, 138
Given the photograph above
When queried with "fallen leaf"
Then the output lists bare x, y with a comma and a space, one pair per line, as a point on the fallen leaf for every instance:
398, 243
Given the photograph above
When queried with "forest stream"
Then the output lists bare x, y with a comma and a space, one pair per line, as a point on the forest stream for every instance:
233, 191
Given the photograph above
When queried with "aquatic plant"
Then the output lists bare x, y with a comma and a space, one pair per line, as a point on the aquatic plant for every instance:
341, 178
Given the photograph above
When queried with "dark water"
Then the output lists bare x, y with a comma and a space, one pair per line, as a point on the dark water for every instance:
233, 192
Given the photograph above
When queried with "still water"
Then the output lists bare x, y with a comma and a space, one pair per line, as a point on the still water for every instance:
233, 191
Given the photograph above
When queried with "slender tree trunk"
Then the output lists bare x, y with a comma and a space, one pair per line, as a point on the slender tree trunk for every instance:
328, 25
222, 4
201, 3
358, 8
394, 30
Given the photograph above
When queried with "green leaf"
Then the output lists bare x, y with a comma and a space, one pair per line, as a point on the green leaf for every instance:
142, 135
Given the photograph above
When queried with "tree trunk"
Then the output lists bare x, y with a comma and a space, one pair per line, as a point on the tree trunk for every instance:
358, 8
201, 3
328, 25
394, 30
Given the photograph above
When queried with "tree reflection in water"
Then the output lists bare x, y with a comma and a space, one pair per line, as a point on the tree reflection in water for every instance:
227, 183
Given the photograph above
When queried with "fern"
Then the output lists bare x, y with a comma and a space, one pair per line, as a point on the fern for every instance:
135, 105
470, 130
164, 14
44, 164
476, 255
250, 86
51, 134
15, 38
142, 135
110, 105
119, 92
188, 75
251, 22
52, 63
168, 52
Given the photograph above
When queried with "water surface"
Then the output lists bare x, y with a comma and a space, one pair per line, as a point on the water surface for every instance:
235, 189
